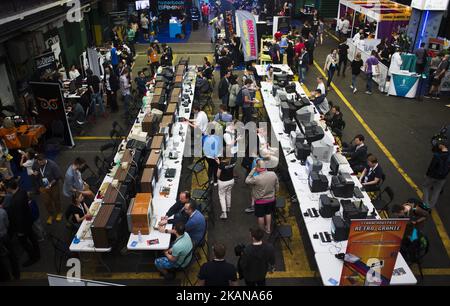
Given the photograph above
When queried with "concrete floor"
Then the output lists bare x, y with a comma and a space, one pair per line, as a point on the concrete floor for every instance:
404, 126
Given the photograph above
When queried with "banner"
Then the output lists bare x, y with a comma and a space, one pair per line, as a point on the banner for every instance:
372, 250
229, 24
170, 5
46, 61
247, 26
51, 110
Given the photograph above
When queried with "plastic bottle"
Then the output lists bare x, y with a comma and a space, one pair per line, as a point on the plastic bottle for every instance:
139, 237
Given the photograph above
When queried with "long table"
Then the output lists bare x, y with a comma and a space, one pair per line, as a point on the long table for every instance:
160, 203
307, 199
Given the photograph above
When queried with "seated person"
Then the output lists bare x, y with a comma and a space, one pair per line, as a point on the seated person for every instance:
320, 101
357, 154
78, 211
411, 209
177, 210
202, 85
76, 114
334, 120
178, 256
223, 115
372, 175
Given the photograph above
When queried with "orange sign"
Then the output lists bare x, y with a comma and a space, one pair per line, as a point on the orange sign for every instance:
372, 250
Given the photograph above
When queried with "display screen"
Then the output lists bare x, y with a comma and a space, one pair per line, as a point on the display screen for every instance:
430, 5
142, 5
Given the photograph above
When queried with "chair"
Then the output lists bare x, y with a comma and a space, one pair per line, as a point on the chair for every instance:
202, 244
185, 269
118, 128
201, 194
61, 252
102, 166
279, 208
205, 101
198, 167
415, 251
385, 198
283, 232
108, 151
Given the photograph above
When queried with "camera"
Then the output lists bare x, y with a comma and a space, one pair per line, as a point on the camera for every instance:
442, 137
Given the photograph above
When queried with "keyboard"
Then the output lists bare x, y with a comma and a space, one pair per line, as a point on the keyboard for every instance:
357, 193
325, 237
313, 213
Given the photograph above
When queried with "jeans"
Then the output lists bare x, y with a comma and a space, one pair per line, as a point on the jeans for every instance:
330, 75
97, 97
247, 114
212, 169
354, 76
225, 188
225, 100
302, 74
342, 64
127, 99
431, 190
234, 111
369, 82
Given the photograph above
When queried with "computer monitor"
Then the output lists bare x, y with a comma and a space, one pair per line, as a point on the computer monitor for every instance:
142, 5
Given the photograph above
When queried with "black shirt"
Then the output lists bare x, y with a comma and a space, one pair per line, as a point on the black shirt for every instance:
73, 210
439, 166
217, 273
19, 213
94, 81
343, 51
356, 67
224, 62
226, 173
256, 261
371, 175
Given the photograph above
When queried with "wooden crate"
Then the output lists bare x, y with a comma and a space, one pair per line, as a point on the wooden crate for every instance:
139, 213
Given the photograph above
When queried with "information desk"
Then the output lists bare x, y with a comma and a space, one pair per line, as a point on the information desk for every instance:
330, 270
404, 84
261, 70
299, 178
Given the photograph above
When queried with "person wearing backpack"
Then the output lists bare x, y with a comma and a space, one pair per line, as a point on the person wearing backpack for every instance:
415, 211
436, 175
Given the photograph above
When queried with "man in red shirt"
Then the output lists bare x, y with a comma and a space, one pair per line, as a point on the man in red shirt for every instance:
299, 47
205, 13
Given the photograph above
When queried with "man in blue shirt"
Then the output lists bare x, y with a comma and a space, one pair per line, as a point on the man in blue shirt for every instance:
114, 56
212, 146
223, 116
196, 224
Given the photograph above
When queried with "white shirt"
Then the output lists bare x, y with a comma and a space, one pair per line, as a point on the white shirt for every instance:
322, 88
356, 38
74, 74
228, 137
144, 22
125, 85
339, 24
201, 121
29, 165
396, 63
345, 26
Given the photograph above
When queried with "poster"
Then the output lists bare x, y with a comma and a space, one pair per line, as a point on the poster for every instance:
45, 62
229, 24
170, 5
372, 250
52, 113
249, 41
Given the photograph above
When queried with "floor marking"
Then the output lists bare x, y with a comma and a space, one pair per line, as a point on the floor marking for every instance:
96, 138
436, 218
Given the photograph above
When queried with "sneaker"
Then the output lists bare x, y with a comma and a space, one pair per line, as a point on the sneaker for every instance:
427, 96
249, 209
223, 216
368, 92
58, 217
351, 86
50, 220
215, 184
355, 90
436, 97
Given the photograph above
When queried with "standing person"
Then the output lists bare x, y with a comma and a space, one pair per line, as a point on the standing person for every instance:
339, 25
290, 55
112, 86
224, 86
114, 56
303, 66
396, 62
96, 91
205, 14
131, 38
212, 149
125, 88
27, 161
218, 272
73, 180
331, 65
225, 174
343, 58
247, 101
310, 46
49, 176
231, 139
421, 56
7, 246
356, 65
436, 175
283, 46
369, 67
344, 29
434, 63
321, 30
264, 186
234, 91
141, 83
144, 26
321, 85
200, 120
21, 222
438, 76
306, 30
153, 60
256, 260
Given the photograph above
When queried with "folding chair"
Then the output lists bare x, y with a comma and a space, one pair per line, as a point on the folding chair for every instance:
282, 232
201, 194
384, 199
185, 269
198, 167
61, 252
279, 209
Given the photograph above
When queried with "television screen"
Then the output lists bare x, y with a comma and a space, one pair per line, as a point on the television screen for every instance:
142, 5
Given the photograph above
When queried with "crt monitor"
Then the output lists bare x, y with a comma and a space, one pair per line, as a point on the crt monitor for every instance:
142, 5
